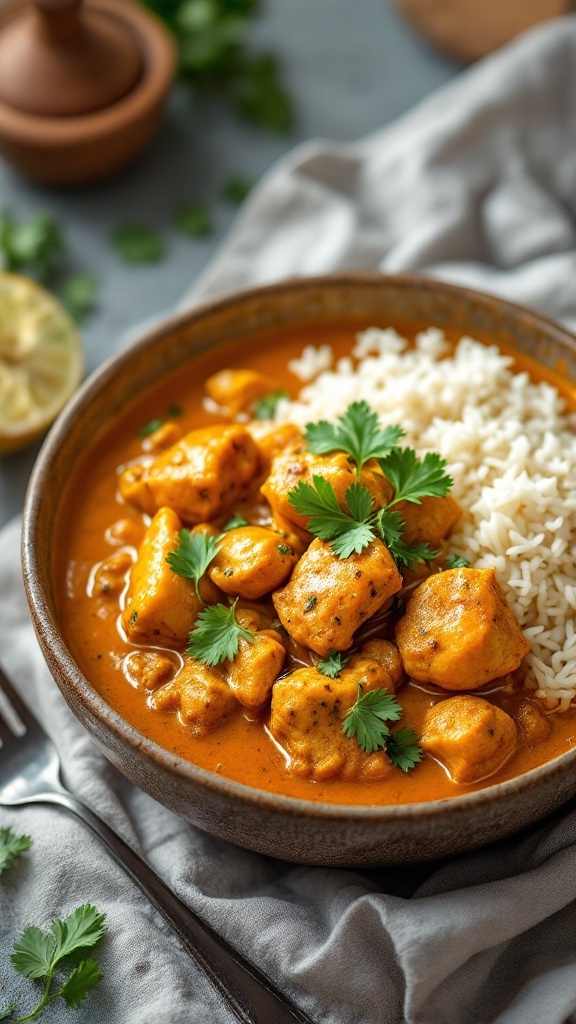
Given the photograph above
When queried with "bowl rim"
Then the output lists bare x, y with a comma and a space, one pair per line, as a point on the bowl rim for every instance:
56, 651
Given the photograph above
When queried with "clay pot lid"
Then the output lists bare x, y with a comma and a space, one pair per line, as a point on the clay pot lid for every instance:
58, 59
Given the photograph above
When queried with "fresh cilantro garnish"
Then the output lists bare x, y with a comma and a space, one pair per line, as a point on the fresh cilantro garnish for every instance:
194, 220
193, 555
35, 248
216, 635
259, 96
149, 428
137, 243
234, 523
174, 411
265, 408
39, 955
391, 527
11, 846
457, 562
78, 295
285, 549
236, 189
349, 531
403, 749
366, 719
333, 664
357, 432
414, 478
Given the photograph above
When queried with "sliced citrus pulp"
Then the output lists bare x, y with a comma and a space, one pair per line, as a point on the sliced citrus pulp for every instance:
41, 360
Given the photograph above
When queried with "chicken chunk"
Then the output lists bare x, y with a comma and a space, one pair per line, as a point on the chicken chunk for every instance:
110, 575
328, 598
255, 668
387, 657
469, 736
200, 695
533, 723
199, 477
125, 531
161, 607
237, 390
308, 710
273, 439
146, 670
458, 631
289, 469
251, 562
431, 522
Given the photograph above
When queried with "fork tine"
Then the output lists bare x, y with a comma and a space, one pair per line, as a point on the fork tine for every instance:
26, 717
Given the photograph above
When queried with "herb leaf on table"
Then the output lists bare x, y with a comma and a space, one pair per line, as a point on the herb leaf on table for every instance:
34, 248
194, 220
78, 294
138, 243
11, 846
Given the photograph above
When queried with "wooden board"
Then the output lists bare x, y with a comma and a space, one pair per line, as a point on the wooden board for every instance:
469, 29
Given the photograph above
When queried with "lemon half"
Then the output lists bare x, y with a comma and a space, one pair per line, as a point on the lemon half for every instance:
41, 360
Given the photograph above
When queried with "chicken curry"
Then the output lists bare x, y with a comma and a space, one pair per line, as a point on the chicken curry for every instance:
282, 606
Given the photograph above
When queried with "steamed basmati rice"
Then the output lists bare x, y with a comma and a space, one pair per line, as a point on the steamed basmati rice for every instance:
510, 446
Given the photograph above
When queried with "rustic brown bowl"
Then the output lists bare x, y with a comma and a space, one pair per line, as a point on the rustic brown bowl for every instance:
80, 149
281, 826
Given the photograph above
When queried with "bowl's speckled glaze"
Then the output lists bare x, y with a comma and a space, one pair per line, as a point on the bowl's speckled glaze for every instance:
283, 827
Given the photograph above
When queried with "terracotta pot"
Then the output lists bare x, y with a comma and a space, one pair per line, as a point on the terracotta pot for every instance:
283, 827
77, 149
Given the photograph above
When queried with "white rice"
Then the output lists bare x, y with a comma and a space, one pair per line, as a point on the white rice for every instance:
510, 446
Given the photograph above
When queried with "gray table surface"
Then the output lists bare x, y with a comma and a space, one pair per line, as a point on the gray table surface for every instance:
351, 67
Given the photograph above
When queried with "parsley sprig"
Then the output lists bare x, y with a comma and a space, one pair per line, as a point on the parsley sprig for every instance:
265, 408
357, 432
333, 664
350, 529
414, 478
216, 635
457, 562
43, 955
367, 721
11, 846
193, 555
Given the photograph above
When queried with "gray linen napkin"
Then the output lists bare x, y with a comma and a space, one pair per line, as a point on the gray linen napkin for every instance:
477, 185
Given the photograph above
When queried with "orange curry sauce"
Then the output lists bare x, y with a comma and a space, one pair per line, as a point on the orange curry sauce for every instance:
240, 748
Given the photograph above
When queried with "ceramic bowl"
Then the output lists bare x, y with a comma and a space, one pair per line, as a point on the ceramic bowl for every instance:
284, 827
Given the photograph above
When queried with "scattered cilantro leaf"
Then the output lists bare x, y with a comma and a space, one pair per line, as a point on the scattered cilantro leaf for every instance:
414, 478
174, 411
8, 1011
34, 248
235, 523
194, 220
391, 526
285, 549
258, 95
366, 719
137, 243
357, 432
78, 294
457, 562
80, 982
333, 664
403, 749
236, 188
310, 603
11, 846
327, 520
39, 954
193, 555
216, 635
150, 428
265, 408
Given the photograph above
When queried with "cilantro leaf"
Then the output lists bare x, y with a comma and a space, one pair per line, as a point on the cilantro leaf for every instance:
80, 930
78, 295
194, 220
327, 520
457, 562
137, 243
391, 526
35, 248
403, 749
8, 1011
366, 719
11, 846
80, 982
33, 954
150, 428
193, 555
414, 478
259, 96
235, 189
333, 664
216, 635
235, 523
265, 408
357, 432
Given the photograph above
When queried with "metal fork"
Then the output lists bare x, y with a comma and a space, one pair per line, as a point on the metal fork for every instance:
31, 774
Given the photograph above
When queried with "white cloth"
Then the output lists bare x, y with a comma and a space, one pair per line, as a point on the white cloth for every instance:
477, 185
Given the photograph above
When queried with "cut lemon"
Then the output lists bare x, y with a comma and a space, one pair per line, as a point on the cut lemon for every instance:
41, 360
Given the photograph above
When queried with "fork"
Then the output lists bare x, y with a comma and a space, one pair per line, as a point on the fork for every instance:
31, 774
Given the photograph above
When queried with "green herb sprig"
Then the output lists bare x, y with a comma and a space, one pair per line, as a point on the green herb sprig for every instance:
193, 555
265, 408
216, 635
367, 721
11, 846
357, 432
457, 562
333, 664
42, 956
